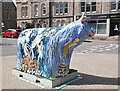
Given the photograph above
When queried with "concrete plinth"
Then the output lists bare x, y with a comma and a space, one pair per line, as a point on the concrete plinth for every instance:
43, 81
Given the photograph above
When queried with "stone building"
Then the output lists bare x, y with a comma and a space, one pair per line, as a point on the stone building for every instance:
44, 13
9, 15
102, 17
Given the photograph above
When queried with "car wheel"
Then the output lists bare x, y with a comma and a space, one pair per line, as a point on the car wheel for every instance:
12, 36
2, 35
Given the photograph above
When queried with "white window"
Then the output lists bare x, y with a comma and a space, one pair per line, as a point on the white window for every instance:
61, 8
26, 11
118, 4
23, 25
9, 7
58, 24
63, 23
82, 6
92, 25
43, 25
36, 10
88, 3
65, 7
8, 16
93, 6
43, 9
23, 12
101, 27
113, 4
56, 8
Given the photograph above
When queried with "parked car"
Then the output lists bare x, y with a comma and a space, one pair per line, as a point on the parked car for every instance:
10, 33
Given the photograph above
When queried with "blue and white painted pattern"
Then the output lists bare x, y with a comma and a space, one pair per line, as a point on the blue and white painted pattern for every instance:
47, 52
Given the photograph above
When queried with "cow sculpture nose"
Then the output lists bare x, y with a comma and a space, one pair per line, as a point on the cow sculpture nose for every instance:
92, 33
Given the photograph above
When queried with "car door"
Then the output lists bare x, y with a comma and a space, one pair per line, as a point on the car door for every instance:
6, 33
9, 32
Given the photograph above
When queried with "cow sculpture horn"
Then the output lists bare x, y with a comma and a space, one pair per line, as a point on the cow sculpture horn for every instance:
81, 19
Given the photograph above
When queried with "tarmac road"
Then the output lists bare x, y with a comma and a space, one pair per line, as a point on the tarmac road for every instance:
9, 47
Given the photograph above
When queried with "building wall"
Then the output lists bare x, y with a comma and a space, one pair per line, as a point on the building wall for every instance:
67, 17
8, 10
102, 10
50, 16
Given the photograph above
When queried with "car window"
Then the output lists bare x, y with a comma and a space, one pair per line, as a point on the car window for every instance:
6, 30
18, 31
9, 30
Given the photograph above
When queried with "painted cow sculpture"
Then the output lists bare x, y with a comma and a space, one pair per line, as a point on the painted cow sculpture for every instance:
47, 52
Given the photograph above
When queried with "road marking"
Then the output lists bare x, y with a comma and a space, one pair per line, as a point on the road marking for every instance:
107, 49
99, 50
100, 45
84, 51
93, 49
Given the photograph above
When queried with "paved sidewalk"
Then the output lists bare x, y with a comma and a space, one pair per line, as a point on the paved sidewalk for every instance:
99, 71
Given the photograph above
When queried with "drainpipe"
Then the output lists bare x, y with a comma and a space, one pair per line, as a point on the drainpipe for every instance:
1, 16
73, 9
50, 13
101, 6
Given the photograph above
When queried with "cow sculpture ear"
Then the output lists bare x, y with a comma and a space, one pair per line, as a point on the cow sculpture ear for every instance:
82, 17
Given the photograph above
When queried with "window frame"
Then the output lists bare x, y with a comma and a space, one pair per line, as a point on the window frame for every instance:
82, 7
57, 9
43, 6
35, 10
118, 4
44, 23
8, 16
115, 5
63, 23
22, 12
26, 11
60, 8
65, 7
58, 23
92, 7
89, 3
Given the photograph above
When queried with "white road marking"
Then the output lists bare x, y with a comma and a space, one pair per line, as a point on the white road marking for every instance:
93, 49
99, 50
84, 51
107, 49
100, 45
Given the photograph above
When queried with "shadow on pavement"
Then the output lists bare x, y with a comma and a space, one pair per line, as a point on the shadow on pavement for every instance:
91, 79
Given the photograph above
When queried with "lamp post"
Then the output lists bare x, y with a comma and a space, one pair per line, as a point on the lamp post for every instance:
30, 11
101, 6
1, 24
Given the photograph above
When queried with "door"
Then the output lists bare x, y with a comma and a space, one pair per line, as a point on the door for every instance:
6, 32
9, 32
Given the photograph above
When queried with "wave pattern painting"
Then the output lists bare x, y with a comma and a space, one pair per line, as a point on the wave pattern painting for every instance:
47, 52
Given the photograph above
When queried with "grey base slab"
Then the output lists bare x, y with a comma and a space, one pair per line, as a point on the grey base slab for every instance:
44, 81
